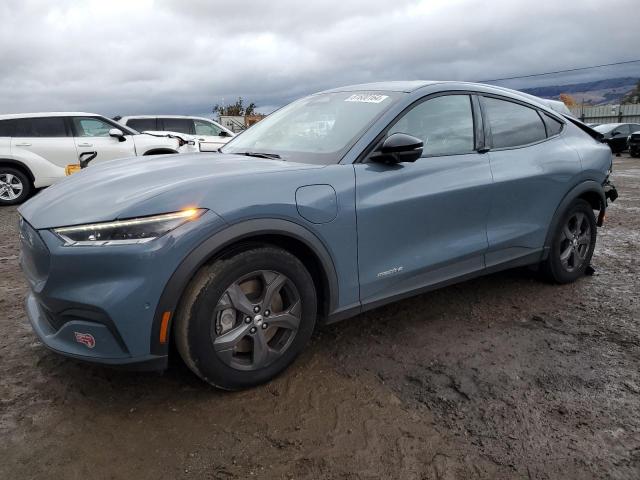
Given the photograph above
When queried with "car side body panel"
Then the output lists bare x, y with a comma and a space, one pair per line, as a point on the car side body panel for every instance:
378, 232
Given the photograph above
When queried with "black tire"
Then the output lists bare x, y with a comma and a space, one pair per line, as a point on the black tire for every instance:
197, 325
558, 268
17, 178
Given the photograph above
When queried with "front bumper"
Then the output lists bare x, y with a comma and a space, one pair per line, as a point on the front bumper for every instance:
87, 340
98, 303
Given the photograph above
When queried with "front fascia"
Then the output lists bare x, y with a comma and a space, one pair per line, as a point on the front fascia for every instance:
123, 281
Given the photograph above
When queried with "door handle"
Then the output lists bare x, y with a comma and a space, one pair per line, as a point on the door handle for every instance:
23, 144
85, 145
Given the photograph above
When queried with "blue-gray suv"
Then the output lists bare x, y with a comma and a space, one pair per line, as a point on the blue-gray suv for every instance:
335, 204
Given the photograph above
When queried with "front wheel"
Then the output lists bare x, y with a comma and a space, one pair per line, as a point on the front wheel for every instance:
245, 318
573, 243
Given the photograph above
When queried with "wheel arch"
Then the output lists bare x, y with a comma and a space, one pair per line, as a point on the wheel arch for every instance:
290, 236
590, 191
20, 166
159, 151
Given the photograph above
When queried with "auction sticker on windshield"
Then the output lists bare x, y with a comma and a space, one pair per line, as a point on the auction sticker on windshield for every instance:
366, 98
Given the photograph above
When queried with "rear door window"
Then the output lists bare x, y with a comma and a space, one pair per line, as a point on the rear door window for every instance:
179, 125
7, 127
142, 124
512, 124
41, 127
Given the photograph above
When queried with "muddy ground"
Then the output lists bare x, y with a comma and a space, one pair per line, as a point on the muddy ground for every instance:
500, 377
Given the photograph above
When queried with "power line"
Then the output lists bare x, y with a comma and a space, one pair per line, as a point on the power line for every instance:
560, 71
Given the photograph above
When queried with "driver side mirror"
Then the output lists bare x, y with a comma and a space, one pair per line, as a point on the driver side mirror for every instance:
223, 133
117, 133
397, 148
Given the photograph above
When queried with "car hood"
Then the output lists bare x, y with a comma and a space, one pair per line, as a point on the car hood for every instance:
131, 187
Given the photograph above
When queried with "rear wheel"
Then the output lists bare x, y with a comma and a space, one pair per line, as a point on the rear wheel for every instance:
245, 318
15, 186
573, 243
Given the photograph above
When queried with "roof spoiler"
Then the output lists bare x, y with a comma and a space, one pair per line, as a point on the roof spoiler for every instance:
585, 128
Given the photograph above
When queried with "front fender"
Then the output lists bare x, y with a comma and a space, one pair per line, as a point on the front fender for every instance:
217, 243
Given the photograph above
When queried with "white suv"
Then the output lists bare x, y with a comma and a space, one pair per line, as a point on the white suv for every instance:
211, 135
36, 149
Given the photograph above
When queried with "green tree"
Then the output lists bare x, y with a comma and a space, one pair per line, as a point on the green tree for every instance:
236, 109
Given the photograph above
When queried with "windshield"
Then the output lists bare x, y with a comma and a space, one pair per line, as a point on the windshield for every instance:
606, 128
316, 129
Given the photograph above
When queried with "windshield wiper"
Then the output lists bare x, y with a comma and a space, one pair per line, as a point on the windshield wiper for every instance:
262, 155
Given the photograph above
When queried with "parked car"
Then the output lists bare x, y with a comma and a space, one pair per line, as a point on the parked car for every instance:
37, 148
633, 143
211, 135
616, 134
236, 259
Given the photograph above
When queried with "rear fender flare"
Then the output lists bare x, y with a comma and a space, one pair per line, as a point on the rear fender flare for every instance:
588, 186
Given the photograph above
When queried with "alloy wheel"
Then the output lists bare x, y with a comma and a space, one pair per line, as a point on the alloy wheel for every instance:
10, 186
256, 320
575, 242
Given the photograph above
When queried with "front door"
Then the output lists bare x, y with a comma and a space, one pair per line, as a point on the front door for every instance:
92, 135
424, 223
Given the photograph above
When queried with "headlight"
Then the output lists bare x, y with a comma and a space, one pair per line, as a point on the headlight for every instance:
122, 232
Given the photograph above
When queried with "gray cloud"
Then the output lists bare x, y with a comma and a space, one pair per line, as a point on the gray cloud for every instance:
144, 56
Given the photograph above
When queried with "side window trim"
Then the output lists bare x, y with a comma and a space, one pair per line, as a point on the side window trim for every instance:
479, 129
517, 102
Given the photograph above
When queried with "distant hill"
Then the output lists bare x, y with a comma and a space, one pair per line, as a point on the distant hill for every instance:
611, 90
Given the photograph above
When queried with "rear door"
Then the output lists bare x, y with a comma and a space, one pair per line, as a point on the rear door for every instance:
532, 168
91, 134
45, 137
208, 134
424, 223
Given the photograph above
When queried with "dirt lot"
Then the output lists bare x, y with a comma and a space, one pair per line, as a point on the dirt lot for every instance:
500, 377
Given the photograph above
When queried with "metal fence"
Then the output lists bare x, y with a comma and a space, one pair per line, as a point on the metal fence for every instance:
627, 113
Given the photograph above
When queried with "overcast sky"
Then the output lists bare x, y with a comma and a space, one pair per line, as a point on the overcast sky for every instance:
170, 56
